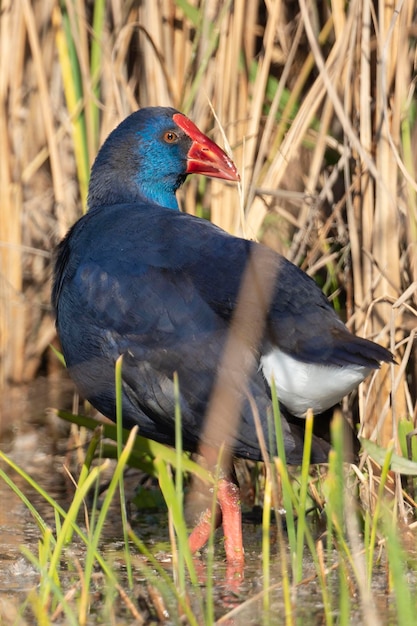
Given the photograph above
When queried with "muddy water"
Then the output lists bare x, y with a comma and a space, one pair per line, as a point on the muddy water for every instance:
40, 446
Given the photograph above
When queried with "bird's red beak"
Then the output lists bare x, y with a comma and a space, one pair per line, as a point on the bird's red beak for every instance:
204, 156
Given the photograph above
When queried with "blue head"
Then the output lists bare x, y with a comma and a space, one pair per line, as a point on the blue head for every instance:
148, 157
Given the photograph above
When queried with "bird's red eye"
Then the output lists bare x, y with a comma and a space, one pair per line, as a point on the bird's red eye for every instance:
170, 136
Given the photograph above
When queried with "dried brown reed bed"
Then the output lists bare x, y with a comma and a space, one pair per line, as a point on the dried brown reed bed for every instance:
326, 153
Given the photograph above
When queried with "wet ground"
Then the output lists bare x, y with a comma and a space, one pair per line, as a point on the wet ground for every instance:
39, 444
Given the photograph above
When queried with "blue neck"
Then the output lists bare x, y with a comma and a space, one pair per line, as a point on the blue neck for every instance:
110, 190
159, 195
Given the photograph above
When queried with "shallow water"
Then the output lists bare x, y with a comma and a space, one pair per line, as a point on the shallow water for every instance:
40, 445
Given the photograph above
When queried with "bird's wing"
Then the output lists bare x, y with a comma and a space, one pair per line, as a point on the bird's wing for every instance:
299, 319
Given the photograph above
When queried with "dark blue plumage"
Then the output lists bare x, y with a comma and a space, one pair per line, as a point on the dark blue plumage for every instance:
136, 277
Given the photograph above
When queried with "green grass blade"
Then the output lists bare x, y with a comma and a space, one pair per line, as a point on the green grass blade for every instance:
179, 480
43, 527
162, 580
169, 493
302, 505
266, 544
397, 558
287, 492
68, 523
143, 448
377, 511
41, 612
72, 83
119, 428
92, 547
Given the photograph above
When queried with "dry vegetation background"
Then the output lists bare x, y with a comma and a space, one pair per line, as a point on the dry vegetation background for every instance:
317, 101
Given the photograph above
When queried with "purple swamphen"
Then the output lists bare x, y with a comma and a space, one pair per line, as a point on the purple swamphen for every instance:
174, 293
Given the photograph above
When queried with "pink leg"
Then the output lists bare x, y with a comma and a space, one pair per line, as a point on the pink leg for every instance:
228, 510
228, 495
